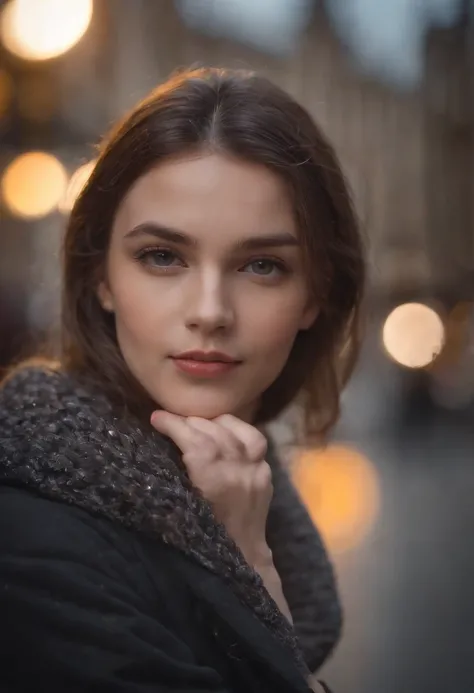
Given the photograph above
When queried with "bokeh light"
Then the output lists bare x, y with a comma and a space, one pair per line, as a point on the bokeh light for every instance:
33, 184
341, 490
413, 335
44, 29
76, 184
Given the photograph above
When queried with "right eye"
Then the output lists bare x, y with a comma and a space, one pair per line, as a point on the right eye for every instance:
159, 258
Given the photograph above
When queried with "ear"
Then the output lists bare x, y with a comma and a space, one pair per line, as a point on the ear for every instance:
310, 314
105, 297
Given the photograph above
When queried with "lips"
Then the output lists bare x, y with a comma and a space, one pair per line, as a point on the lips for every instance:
207, 357
202, 364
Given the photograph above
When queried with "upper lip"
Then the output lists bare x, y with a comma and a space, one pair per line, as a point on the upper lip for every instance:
209, 356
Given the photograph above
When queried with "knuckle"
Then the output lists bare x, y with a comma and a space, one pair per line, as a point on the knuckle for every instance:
258, 446
225, 418
239, 448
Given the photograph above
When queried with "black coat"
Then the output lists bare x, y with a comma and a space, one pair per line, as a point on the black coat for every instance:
114, 574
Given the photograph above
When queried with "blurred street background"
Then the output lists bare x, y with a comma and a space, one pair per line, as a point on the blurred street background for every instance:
391, 82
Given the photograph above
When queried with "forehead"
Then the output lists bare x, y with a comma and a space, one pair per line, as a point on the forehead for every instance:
208, 192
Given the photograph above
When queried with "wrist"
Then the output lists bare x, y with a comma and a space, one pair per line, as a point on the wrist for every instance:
260, 557
265, 567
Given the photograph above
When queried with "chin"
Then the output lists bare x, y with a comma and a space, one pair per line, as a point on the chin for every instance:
203, 412
202, 407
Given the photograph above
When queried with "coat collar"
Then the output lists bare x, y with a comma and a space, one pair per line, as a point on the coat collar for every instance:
265, 648
64, 441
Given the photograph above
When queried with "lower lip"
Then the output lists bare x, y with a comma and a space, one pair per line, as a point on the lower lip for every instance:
204, 369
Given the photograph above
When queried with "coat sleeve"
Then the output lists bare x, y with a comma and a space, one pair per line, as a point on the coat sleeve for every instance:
305, 570
72, 617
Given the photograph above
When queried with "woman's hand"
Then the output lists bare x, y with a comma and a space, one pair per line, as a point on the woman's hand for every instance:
225, 459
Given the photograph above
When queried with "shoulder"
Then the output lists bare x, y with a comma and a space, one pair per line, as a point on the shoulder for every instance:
49, 544
29, 520
76, 594
39, 529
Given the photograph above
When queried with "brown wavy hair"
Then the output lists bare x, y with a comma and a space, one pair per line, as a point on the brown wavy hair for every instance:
247, 116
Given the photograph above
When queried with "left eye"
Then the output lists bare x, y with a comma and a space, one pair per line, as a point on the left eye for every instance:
263, 267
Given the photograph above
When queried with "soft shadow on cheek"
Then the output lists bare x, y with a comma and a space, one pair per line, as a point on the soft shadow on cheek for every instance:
278, 337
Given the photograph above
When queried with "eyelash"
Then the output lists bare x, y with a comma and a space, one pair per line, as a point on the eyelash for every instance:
146, 252
141, 256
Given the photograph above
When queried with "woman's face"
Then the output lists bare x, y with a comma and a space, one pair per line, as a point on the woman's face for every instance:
204, 257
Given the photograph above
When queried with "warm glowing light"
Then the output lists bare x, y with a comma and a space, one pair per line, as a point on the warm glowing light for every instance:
33, 184
340, 488
78, 180
44, 29
413, 335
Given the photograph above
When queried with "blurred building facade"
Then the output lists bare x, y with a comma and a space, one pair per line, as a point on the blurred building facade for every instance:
409, 156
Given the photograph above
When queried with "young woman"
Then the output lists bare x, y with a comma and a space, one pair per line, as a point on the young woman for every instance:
149, 539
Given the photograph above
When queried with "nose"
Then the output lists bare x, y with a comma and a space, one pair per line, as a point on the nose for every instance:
209, 306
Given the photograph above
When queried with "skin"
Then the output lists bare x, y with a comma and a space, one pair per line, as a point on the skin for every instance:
191, 266
211, 293
225, 459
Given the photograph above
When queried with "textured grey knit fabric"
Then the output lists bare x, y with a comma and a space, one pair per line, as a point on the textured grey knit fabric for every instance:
306, 572
65, 442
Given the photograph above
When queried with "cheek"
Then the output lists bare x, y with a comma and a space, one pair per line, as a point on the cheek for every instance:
275, 324
273, 336
137, 308
276, 336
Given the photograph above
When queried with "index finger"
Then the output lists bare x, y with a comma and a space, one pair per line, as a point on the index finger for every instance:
176, 428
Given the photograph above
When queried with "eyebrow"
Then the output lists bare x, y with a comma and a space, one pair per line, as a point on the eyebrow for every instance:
170, 235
